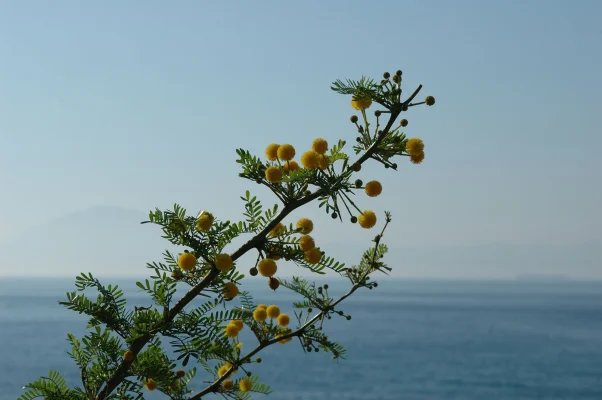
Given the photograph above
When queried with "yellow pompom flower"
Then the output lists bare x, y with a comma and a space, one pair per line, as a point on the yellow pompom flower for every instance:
285, 332
238, 324
150, 384
187, 261
373, 188
204, 221
306, 226
271, 152
414, 146
128, 355
320, 146
230, 290
286, 152
260, 314
239, 345
417, 157
223, 262
231, 331
262, 306
367, 219
283, 320
313, 256
290, 166
277, 230
222, 370
273, 311
323, 162
310, 160
245, 385
306, 243
361, 103
267, 267
228, 384
273, 174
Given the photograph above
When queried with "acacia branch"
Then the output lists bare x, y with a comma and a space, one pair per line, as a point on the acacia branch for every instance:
120, 373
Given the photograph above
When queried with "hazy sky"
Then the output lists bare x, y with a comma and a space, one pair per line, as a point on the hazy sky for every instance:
142, 103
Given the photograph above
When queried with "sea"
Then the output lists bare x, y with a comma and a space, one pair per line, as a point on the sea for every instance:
407, 339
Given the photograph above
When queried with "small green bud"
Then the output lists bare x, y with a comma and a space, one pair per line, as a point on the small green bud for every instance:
404, 107
353, 219
386, 166
356, 167
309, 310
249, 374
353, 119
358, 139
386, 75
430, 100
377, 113
375, 284
334, 215
325, 286
348, 317
358, 183
398, 73
253, 271
307, 192
394, 166
396, 79
404, 122
258, 360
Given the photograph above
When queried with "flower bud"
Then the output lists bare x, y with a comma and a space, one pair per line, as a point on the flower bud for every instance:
353, 119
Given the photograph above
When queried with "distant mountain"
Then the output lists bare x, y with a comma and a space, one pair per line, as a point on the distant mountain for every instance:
101, 240
497, 260
111, 241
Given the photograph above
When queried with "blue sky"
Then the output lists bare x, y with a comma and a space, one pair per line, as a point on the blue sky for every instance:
141, 104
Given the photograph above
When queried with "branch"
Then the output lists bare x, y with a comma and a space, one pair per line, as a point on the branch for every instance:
140, 342
212, 388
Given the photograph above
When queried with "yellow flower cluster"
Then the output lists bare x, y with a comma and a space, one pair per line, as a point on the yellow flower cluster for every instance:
267, 267
230, 290
223, 262
234, 327
224, 368
361, 103
313, 254
415, 148
278, 230
263, 312
367, 219
312, 159
245, 385
204, 221
150, 384
283, 333
187, 261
